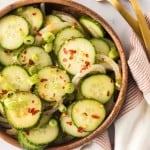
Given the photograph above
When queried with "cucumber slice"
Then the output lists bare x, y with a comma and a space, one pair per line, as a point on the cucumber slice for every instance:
8, 57
13, 30
17, 77
34, 56
5, 86
52, 83
88, 114
23, 109
99, 87
68, 125
94, 27
76, 55
34, 16
64, 35
26, 144
101, 46
113, 53
43, 135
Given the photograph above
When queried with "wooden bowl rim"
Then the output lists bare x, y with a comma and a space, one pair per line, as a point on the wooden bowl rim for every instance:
122, 93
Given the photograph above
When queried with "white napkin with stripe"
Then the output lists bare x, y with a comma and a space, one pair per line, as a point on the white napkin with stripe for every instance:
132, 126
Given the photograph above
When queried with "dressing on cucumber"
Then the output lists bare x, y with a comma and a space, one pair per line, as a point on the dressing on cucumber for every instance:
88, 114
22, 109
76, 55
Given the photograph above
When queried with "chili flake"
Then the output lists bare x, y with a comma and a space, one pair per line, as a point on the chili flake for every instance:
43, 80
80, 129
69, 123
95, 116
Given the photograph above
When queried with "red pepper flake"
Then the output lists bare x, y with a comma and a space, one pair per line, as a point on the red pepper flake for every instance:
108, 93
34, 14
43, 80
85, 114
69, 123
87, 63
95, 116
80, 129
27, 132
25, 52
60, 77
65, 51
31, 62
63, 87
20, 29
39, 34
71, 51
86, 55
4, 91
65, 60
33, 101
33, 111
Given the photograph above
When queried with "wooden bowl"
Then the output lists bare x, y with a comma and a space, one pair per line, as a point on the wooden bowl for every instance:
76, 10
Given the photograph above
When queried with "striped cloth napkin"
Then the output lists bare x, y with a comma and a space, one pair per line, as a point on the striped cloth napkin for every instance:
132, 126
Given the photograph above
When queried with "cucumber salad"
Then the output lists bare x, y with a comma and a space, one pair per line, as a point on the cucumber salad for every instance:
59, 76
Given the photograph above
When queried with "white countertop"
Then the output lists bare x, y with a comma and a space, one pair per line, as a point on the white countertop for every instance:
110, 15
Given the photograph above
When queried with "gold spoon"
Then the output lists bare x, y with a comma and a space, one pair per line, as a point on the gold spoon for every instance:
131, 21
140, 26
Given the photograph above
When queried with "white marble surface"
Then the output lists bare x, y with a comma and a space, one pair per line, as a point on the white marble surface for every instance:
110, 15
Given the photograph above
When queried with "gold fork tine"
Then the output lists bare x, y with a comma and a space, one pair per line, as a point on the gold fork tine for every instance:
131, 21
142, 24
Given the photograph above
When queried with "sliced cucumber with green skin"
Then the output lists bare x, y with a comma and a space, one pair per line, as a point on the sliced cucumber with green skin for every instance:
5, 86
53, 83
101, 46
33, 15
94, 27
68, 125
13, 30
24, 142
113, 53
8, 57
99, 87
34, 56
23, 109
76, 55
17, 77
88, 114
64, 35
43, 135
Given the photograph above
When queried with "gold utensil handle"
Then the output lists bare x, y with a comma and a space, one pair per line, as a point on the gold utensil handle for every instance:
143, 25
130, 20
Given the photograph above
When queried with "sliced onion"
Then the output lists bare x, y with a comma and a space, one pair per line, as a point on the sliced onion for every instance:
55, 107
42, 6
94, 68
115, 67
68, 18
12, 131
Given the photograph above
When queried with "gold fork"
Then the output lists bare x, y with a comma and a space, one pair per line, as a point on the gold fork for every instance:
140, 26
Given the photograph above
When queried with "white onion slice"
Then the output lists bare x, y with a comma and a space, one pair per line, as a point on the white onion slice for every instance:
115, 67
94, 68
